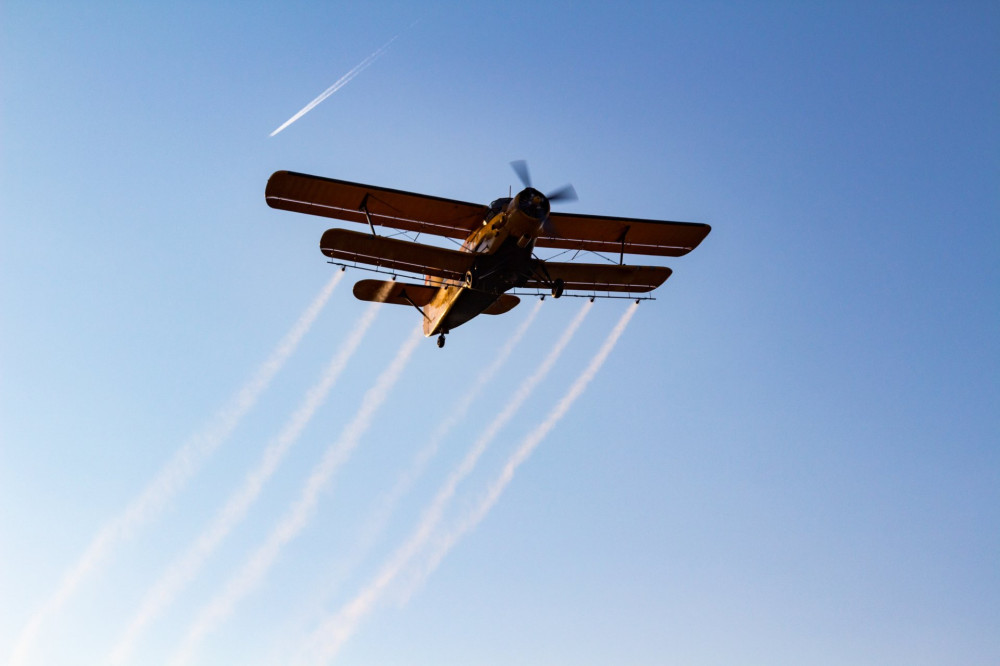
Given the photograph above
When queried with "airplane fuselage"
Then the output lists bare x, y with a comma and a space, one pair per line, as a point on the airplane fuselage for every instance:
503, 245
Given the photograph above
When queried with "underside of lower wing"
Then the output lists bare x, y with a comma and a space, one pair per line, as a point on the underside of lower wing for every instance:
599, 277
395, 255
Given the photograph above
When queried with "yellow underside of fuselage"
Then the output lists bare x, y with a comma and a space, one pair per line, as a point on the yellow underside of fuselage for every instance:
487, 239
437, 310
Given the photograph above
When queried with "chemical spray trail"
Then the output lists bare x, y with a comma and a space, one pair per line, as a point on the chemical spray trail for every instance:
340, 83
184, 568
254, 570
172, 477
456, 413
526, 448
333, 632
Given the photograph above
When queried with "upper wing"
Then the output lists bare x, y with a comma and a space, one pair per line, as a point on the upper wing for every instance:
391, 208
621, 234
395, 255
602, 277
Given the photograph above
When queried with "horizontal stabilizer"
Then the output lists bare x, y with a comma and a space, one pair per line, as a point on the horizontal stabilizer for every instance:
600, 277
395, 255
505, 303
391, 291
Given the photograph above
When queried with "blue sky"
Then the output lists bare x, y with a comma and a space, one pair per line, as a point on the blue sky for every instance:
790, 457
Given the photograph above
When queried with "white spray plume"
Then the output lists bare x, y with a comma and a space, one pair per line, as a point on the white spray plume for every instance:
333, 632
340, 83
293, 522
172, 477
456, 412
182, 570
527, 447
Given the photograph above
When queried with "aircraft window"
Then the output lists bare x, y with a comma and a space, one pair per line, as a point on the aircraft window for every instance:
495, 207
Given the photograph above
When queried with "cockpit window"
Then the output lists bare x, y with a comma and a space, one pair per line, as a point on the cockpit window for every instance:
496, 207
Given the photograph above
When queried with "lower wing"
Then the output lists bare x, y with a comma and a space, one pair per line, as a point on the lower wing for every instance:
599, 277
395, 255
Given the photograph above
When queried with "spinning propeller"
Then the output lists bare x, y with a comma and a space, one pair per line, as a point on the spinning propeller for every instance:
564, 193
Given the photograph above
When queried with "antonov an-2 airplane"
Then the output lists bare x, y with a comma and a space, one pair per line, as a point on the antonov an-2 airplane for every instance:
497, 254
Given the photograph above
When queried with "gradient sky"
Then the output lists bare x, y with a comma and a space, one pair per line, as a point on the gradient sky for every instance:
791, 457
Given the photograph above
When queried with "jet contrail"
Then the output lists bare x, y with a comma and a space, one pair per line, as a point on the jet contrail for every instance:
456, 412
334, 631
184, 568
173, 475
340, 83
254, 570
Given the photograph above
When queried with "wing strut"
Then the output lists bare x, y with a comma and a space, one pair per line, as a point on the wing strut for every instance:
364, 207
409, 300
543, 276
621, 259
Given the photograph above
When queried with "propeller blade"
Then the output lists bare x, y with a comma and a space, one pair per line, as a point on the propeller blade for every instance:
564, 193
521, 169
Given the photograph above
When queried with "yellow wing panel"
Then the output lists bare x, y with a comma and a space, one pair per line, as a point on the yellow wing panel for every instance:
342, 200
394, 254
603, 277
616, 234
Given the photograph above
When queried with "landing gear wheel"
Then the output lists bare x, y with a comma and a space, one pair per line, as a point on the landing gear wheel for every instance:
468, 279
441, 340
557, 288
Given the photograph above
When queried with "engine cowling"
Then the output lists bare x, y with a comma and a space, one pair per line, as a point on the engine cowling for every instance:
526, 214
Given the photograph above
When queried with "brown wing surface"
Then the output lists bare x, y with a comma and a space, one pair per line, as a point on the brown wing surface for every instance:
342, 200
616, 234
603, 277
394, 254
398, 293
505, 303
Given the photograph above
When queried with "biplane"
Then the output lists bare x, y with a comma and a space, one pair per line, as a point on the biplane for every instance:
497, 246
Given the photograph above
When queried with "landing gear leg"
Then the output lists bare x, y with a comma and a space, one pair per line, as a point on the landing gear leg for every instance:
441, 340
